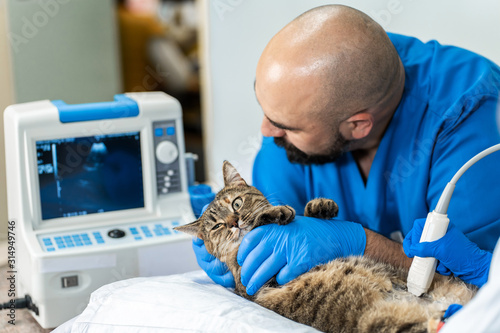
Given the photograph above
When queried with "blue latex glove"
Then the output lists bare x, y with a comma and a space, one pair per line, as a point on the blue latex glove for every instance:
214, 268
290, 250
452, 309
455, 252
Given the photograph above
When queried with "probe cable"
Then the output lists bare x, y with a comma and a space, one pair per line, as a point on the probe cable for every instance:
444, 200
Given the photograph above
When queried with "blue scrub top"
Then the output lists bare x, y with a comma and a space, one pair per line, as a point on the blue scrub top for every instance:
448, 114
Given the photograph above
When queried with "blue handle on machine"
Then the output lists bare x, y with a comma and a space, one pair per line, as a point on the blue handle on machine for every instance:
121, 107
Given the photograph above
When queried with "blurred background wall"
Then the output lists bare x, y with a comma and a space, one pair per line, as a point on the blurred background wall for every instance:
63, 50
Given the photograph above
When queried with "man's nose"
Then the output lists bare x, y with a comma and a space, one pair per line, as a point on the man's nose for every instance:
269, 129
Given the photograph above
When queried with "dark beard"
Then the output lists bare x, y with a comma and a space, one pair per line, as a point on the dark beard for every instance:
295, 155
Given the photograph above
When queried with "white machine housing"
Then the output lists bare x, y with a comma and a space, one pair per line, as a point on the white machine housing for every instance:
61, 260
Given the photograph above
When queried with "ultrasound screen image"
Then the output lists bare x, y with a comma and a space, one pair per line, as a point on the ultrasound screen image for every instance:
87, 175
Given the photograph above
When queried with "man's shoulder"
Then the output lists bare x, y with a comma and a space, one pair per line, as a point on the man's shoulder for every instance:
445, 76
437, 57
409, 46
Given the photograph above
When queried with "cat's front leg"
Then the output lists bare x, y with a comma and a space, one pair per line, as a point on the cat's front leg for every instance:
276, 214
321, 208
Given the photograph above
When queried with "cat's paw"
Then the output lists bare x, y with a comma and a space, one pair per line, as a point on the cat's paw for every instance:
277, 214
321, 208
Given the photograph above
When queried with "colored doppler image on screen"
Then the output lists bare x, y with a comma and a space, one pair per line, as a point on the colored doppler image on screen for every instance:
87, 175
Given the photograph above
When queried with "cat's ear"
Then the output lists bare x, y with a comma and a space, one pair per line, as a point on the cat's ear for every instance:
192, 229
231, 175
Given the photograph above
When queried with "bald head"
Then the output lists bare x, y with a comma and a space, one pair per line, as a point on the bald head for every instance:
331, 59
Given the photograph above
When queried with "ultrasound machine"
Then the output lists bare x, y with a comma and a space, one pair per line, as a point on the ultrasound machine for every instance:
94, 191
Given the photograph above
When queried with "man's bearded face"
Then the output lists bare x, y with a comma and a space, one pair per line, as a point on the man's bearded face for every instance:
338, 147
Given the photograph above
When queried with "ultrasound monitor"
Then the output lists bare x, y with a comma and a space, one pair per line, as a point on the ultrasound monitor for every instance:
94, 192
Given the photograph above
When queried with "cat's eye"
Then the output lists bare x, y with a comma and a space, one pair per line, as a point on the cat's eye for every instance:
217, 226
237, 203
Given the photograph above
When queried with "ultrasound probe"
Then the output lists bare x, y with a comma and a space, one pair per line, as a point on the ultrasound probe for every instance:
422, 269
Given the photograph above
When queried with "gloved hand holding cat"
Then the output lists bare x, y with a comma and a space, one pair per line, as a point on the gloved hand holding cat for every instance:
215, 269
290, 250
285, 251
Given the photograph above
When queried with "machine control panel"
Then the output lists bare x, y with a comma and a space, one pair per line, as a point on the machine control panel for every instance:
107, 236
167, 157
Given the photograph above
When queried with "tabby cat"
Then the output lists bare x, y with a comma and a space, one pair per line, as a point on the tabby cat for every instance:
353, 294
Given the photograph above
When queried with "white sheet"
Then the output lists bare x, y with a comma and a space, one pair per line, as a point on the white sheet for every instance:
188, 302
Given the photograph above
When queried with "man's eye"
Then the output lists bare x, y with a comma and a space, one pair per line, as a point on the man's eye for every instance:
237, 203
217, 226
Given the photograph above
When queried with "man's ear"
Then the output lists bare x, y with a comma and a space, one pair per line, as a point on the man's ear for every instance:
357, 126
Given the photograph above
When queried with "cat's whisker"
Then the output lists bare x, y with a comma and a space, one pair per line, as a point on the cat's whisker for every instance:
243, 218
260, 206
273, 201
235, 232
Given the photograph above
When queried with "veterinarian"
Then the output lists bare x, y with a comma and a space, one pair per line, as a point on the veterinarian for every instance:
377, 122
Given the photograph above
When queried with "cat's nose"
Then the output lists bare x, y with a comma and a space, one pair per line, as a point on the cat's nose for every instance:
233, 221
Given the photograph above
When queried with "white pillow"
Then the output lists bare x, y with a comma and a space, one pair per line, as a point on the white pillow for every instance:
188, 302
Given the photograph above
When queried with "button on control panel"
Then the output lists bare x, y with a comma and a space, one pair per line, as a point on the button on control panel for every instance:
116, 233
166, 152
168, 178
108, 236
